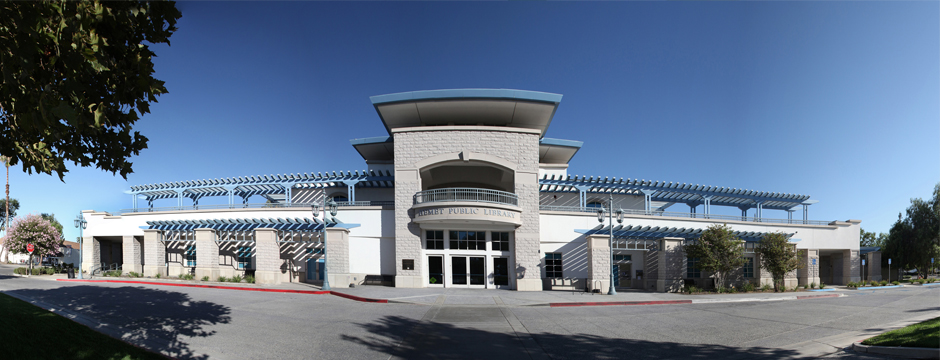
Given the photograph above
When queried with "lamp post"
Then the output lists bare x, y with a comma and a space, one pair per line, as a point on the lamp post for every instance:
328, 206
600, 218
81, 224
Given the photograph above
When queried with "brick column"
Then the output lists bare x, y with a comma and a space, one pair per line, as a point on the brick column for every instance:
207, 254
874, 266
91, 253
810, 272
851, 266
154, 254
131, 255
671, 269
337, 257
598, 262
267, 257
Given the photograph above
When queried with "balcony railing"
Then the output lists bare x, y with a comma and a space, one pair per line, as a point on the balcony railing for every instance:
248, 206
466, 194
687, 215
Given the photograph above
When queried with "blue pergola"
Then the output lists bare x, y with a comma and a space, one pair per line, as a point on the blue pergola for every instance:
658, 232
248, 186
671, 193
246, 224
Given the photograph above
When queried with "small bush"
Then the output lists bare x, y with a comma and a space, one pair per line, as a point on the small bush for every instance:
236, 279
20, 270
884, 282
895, 283
747, 287
49, 271
852, 284
205, 278
822, 285
812, 285
135, 274
766, 287
157, 276
929, 281
222, 279
112, 273
189, 277
35, 271
250, 279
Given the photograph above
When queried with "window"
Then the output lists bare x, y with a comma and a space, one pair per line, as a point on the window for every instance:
244, 257
621, 257
553, 265
468, 240
312, 251
594, 204
748, 269
191, 255
691, 272
435, 239
500, 241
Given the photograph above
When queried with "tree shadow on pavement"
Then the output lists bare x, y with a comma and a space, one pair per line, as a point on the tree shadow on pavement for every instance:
423, 339
155, 319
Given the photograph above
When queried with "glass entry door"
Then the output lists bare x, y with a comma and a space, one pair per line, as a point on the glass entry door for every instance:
501, 272
469, 271
435, 271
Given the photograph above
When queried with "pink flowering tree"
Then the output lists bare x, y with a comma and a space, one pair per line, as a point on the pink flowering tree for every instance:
33, 229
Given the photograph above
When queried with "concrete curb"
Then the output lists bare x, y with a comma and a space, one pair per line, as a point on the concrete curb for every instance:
309, 292
621, 303
695, 301
900, 351
876, 287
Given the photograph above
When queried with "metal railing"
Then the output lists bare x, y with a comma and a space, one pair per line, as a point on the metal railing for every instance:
466, 194
246, 206
688, 215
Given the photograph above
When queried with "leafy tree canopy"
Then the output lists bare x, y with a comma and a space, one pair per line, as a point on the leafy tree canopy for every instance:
867, 238
33, 229
915, 238
14, 206
51, 219
718, 251
778, 256
76, 75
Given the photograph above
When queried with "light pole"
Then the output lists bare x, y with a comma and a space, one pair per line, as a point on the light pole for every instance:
328, 206
81, 224
600, 218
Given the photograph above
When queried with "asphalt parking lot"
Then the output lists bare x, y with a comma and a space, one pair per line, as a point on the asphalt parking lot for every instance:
227, 324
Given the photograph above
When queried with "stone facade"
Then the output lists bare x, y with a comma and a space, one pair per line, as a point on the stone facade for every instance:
267, 256
154, 254
851, 266
598, 263
207, 254
91, 253
131, 247
671, 269
337, 257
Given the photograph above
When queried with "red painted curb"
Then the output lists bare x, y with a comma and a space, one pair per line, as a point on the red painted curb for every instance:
804, 297
621, 303
311, 292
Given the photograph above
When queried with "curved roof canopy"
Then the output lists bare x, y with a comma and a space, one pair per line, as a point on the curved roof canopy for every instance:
488, 107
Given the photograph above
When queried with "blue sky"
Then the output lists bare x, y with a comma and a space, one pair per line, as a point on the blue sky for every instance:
838, 100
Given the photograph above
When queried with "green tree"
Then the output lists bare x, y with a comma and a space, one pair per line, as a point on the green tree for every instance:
915, 238
867, 238
718, 251
33, 229
51, 219
76, 75
14, 206
778, 256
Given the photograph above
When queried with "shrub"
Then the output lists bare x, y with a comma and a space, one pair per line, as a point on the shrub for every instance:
812, 285
250, 279
222, 279
822, 285
187, 277
236, 279
748, 286
157, 276
35, 271
135, 274
884, 282
49, 270
205, 278
852, 284
930, 280
766, 287
895, 283
20, 270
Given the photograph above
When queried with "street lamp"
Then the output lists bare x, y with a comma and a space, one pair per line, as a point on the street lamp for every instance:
81, 224
600, 219
331, 207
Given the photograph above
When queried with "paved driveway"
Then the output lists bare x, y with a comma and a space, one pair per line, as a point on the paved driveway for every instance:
213, 323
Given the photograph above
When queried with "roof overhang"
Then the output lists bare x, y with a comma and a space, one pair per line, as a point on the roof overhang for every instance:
557, 151
375, 149
486, 107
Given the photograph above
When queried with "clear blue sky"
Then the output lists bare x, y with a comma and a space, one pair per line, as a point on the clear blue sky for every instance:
838, 100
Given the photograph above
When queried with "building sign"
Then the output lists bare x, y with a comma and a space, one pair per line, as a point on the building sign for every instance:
483, 214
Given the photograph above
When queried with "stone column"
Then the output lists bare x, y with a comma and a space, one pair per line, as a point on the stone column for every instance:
598, 251
131, 255
526, 246
407, 232
154, 254
267, 257
337, 257
91, 253
671, 269
809, 274
874, 266
207, 254
851, 266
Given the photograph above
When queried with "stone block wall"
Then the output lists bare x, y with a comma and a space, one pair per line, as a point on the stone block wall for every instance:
91, 253
132, 254
851, 266
154, 254
207, 254
671, 267
267, 256
598, 262
874, 266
